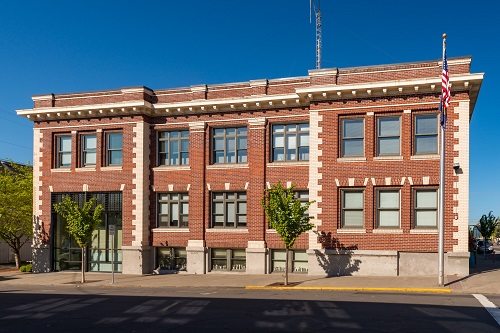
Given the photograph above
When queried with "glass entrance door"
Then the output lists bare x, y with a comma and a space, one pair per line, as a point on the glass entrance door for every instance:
101, 253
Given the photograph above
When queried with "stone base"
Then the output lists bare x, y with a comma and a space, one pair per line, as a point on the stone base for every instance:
355, 262
136, 260
384, 263
256, 257
41, 258
196, 257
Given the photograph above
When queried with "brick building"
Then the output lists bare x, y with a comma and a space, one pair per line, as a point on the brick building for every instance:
181, 172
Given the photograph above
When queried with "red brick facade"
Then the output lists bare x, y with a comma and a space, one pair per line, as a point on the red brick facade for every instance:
403, 90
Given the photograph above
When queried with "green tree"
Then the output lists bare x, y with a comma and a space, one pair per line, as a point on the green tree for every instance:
286, 214
80, 222
487, 226
16, 206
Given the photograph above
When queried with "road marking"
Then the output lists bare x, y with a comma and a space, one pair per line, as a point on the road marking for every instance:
488, 305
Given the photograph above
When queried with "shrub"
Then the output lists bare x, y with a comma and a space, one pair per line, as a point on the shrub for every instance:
26, 268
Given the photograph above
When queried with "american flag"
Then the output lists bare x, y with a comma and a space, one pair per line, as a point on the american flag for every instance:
445, 88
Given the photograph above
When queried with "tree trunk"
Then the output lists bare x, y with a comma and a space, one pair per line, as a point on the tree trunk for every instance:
286, 267
484, 247
83, 265
17, 257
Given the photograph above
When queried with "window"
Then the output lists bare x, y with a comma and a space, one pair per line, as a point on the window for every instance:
297, 262
426, 208
173, 210
229, 210
229, 145
113, 148
426, 134
388, 132
228, 260
352, 138
303, 197
173, 148
89, 146
291, 142
352, 208
171, 258
388, 208
63, 154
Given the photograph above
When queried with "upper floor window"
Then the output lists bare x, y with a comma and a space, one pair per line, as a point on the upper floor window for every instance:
426, 208
89, 146
352, 206
114, 146
388, 134
352, 137
426, 134
388, 208
173, 148
291, 142
229, 145
229, 209
173, 210
63, 151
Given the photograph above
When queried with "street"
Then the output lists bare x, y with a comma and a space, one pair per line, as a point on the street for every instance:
72, 309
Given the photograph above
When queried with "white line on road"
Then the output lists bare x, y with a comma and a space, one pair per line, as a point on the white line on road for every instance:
488, 305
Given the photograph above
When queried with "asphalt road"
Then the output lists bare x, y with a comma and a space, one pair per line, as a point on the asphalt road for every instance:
31, 309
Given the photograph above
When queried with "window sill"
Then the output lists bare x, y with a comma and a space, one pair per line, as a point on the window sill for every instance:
171, 168
425, 157
287, 163
351, 231
351, 159
271, 231
424, 231
387, 231
173, 230
228, 166
61, 170
388, 158
228, 230
111, 168
83, 169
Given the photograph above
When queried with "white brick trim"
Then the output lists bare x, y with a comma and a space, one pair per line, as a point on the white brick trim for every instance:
314, 173
140, 200
461, 218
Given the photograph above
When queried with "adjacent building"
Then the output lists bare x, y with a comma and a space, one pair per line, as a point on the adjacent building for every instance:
181, 172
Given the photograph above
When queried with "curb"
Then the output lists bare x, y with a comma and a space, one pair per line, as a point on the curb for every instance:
407, 290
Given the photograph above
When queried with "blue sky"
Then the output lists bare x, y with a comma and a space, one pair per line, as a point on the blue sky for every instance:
73, 46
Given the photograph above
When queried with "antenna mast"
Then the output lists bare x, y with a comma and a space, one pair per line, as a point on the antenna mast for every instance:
317, 13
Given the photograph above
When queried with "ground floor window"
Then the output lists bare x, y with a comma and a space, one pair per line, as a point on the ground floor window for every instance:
297, 262
171, 258
228, 260
66, 254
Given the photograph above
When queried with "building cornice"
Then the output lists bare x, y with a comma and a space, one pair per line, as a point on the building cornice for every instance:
302, 97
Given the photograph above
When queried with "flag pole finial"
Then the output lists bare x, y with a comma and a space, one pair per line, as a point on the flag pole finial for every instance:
444, 35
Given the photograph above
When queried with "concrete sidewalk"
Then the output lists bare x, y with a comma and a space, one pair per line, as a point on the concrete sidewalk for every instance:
484, 279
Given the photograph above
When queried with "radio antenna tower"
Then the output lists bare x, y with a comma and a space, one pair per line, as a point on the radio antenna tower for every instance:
317, 13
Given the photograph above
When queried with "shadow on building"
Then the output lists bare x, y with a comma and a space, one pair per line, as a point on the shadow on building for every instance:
336, 259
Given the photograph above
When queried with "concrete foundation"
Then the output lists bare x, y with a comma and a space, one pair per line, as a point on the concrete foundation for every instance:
136, 260
256, 257
196, 258
41, 258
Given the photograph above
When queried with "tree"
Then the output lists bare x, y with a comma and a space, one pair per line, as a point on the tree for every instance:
80, 222
16, 206
286, 214
487, 226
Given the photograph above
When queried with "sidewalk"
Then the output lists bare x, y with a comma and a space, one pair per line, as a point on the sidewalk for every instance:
484, 279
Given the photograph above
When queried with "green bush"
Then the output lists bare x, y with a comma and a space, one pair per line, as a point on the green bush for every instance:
26, 268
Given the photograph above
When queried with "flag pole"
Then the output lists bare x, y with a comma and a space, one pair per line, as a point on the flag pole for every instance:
441, 181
